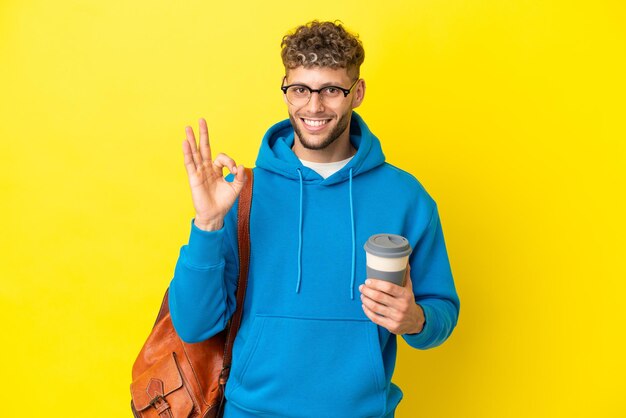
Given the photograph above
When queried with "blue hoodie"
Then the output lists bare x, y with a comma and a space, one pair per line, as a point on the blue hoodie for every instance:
305, 347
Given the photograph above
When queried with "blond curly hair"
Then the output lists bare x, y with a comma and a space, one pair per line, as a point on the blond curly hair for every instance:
323, 44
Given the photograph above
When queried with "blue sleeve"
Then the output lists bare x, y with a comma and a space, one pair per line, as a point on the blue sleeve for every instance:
202, 292
433, 287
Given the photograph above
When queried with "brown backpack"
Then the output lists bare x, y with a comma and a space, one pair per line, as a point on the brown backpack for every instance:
173, 379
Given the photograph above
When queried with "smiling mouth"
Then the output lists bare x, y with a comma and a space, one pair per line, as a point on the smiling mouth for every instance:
314, 123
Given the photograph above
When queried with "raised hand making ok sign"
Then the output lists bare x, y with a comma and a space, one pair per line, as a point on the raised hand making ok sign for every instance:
212, 195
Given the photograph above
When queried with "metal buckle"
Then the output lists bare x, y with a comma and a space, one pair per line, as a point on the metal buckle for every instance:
155, 400
222, 379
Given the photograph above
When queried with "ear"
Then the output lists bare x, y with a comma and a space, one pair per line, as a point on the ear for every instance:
359, 94
284, 82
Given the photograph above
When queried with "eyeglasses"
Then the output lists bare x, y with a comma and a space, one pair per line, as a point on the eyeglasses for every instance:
300, 94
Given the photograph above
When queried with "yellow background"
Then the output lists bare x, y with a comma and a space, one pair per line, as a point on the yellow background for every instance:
511, 113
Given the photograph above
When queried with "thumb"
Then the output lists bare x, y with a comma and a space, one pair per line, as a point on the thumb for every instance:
240, 178
408, 283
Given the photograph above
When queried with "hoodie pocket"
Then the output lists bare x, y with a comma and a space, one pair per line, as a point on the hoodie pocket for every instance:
307, 367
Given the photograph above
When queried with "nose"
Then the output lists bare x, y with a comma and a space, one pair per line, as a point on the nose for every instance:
315, 103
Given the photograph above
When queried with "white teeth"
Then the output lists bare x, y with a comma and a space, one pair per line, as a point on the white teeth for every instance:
315, 122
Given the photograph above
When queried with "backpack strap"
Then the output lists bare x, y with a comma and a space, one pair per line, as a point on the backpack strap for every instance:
243, 238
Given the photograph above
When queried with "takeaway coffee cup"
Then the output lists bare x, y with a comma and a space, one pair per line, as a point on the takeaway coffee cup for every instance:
387, 256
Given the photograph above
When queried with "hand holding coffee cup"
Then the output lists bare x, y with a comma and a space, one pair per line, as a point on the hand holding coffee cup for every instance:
387, 295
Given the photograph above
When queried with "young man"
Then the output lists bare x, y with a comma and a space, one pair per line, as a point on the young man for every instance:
316, 338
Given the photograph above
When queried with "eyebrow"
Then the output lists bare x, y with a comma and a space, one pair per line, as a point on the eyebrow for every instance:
327, 84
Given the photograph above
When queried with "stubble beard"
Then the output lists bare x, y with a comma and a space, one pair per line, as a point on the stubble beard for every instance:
339, 128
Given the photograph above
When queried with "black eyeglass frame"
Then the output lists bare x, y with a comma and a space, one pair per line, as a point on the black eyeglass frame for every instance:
318, 91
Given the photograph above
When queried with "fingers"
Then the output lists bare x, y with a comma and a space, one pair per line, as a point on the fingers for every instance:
379, 308
200, 156
205, 146
240, 176
222, 160
378, 319
376, 295
190, 165
386, 298
191, 140
385, 287
196, 157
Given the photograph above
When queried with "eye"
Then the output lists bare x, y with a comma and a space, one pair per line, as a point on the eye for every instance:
299, 90
331, 91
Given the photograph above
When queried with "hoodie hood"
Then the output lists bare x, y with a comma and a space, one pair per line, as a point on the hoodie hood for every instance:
276, 155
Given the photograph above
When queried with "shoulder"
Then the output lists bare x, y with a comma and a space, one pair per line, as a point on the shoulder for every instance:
405, 184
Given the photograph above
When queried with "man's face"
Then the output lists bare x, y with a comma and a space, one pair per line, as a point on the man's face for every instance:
318, 124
